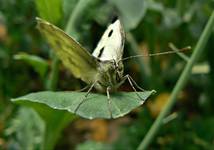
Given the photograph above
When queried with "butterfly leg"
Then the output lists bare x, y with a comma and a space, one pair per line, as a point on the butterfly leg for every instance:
109, 100
132, 83
89, 90
83, 89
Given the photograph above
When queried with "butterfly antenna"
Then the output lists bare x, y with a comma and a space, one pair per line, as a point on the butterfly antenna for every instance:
157, 54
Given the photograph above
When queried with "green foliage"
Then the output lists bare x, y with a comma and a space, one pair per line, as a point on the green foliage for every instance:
131, 12
38, 64
181, 82
91, 145
23, 135
49, 10
121, 103
136, 130
150, 27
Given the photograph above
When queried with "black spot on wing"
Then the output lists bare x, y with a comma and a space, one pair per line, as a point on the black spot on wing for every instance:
110, 33
101, 52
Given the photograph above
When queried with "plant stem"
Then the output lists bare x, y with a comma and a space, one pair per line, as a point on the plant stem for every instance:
53, 76
174, 48
76, 15
180, 84
180, 6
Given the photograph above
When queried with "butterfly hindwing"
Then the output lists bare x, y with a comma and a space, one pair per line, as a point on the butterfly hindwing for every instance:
78, 60
110, 47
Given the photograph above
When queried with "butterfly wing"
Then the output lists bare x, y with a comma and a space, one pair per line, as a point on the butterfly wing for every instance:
110, 47
78, 60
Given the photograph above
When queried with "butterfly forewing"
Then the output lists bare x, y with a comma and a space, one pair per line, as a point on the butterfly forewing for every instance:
78, 60
110, 47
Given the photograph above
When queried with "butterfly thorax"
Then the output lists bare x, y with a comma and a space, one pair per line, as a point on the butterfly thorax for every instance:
110, 74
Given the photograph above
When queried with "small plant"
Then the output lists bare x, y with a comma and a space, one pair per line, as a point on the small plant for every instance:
148, 25
106, 62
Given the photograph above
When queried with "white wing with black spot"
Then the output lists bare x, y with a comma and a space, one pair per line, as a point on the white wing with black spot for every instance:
110, 47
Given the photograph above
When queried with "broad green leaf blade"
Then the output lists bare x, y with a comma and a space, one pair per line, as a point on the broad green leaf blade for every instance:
25, 134
49, 10
94, 106
131, 11
40, 65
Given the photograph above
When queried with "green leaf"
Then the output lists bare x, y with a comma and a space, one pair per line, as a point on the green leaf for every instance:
155, 6
131, 11
68, 7
54, 122
171, 18
49, 10
39, 65
94, 106
26, 130
77, 16
93, 145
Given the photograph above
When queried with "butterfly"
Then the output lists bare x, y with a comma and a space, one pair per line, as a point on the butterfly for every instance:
103, 69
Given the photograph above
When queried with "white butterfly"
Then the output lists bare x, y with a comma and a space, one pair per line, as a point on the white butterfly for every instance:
103, 69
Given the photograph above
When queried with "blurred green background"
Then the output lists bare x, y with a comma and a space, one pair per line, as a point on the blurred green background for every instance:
26, 65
